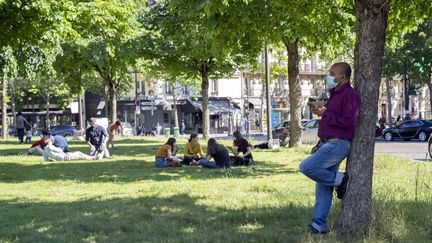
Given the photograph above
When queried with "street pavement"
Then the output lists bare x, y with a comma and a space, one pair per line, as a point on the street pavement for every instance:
410, 149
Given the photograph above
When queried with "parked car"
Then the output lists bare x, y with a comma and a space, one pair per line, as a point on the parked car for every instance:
310, 131
127, 129
64, 130
13, 132
278, 129
412, 129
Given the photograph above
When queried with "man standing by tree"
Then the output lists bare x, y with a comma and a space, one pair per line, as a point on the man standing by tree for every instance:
336, 130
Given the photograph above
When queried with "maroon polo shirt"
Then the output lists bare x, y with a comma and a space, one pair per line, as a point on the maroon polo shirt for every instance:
340, 117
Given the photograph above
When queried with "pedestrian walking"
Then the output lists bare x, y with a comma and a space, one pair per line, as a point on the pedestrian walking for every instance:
336, 131
182, 128
113, 129
20, 126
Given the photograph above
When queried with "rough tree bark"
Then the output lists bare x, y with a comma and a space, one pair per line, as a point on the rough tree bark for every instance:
12, 100
429, 84
294, 91
205, 98
355, 215
175, 112
47, 111
112, 93
389, 104
4, 109
262, 120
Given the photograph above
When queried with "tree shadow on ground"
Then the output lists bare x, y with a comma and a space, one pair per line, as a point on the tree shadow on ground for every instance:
178, 218
133, 162
123, 171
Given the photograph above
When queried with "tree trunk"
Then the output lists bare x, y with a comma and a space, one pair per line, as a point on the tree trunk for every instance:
175, 113
429, 84
389, 104
262, 121
355, 215
47, 109
294, 91
12, 100
205, 101
112, 93
4, 109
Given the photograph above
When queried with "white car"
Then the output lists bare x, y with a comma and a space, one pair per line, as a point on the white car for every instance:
127, 129
310, 131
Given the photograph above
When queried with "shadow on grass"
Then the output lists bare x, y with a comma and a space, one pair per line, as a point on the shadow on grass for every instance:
178, 218
123, 171
133, 161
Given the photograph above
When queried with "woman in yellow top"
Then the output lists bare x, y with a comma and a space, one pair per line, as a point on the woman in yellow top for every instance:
192, 151
164, 155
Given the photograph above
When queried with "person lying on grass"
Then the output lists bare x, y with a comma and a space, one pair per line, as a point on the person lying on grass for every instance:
56, 153
219, 153
164, 156
192, 150
58, 140
243, 155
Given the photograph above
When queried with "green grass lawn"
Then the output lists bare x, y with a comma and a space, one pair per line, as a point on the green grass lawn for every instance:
127, 199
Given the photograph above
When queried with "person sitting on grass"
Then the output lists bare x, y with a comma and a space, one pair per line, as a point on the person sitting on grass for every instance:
244, 148
37, 148
57, 153
219, 153
164, 157
192, 151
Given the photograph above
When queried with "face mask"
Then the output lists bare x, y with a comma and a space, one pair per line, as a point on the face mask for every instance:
330, 82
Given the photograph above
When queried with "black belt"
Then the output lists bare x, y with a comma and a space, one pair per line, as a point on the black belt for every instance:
324, 140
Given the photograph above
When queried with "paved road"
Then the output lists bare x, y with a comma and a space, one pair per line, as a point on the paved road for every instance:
411, 149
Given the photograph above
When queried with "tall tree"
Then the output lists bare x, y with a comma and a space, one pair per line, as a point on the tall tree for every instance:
314, 25
372, 16
104, 46
413, 56
8, 71
183, 43
25, 22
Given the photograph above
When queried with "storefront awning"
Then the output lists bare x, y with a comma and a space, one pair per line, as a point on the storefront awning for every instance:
215, 106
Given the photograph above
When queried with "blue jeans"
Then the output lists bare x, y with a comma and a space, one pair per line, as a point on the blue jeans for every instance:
322, 167
208, 164
160, 162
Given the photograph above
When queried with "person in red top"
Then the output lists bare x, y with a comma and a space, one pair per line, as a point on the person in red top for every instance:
336, 130
112, 130
37, 148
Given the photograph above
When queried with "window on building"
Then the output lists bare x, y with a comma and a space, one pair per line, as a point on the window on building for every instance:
186, 91
213, 87
169, 89
166, 118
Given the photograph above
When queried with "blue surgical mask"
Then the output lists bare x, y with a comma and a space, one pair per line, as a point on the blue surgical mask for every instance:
330, 82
